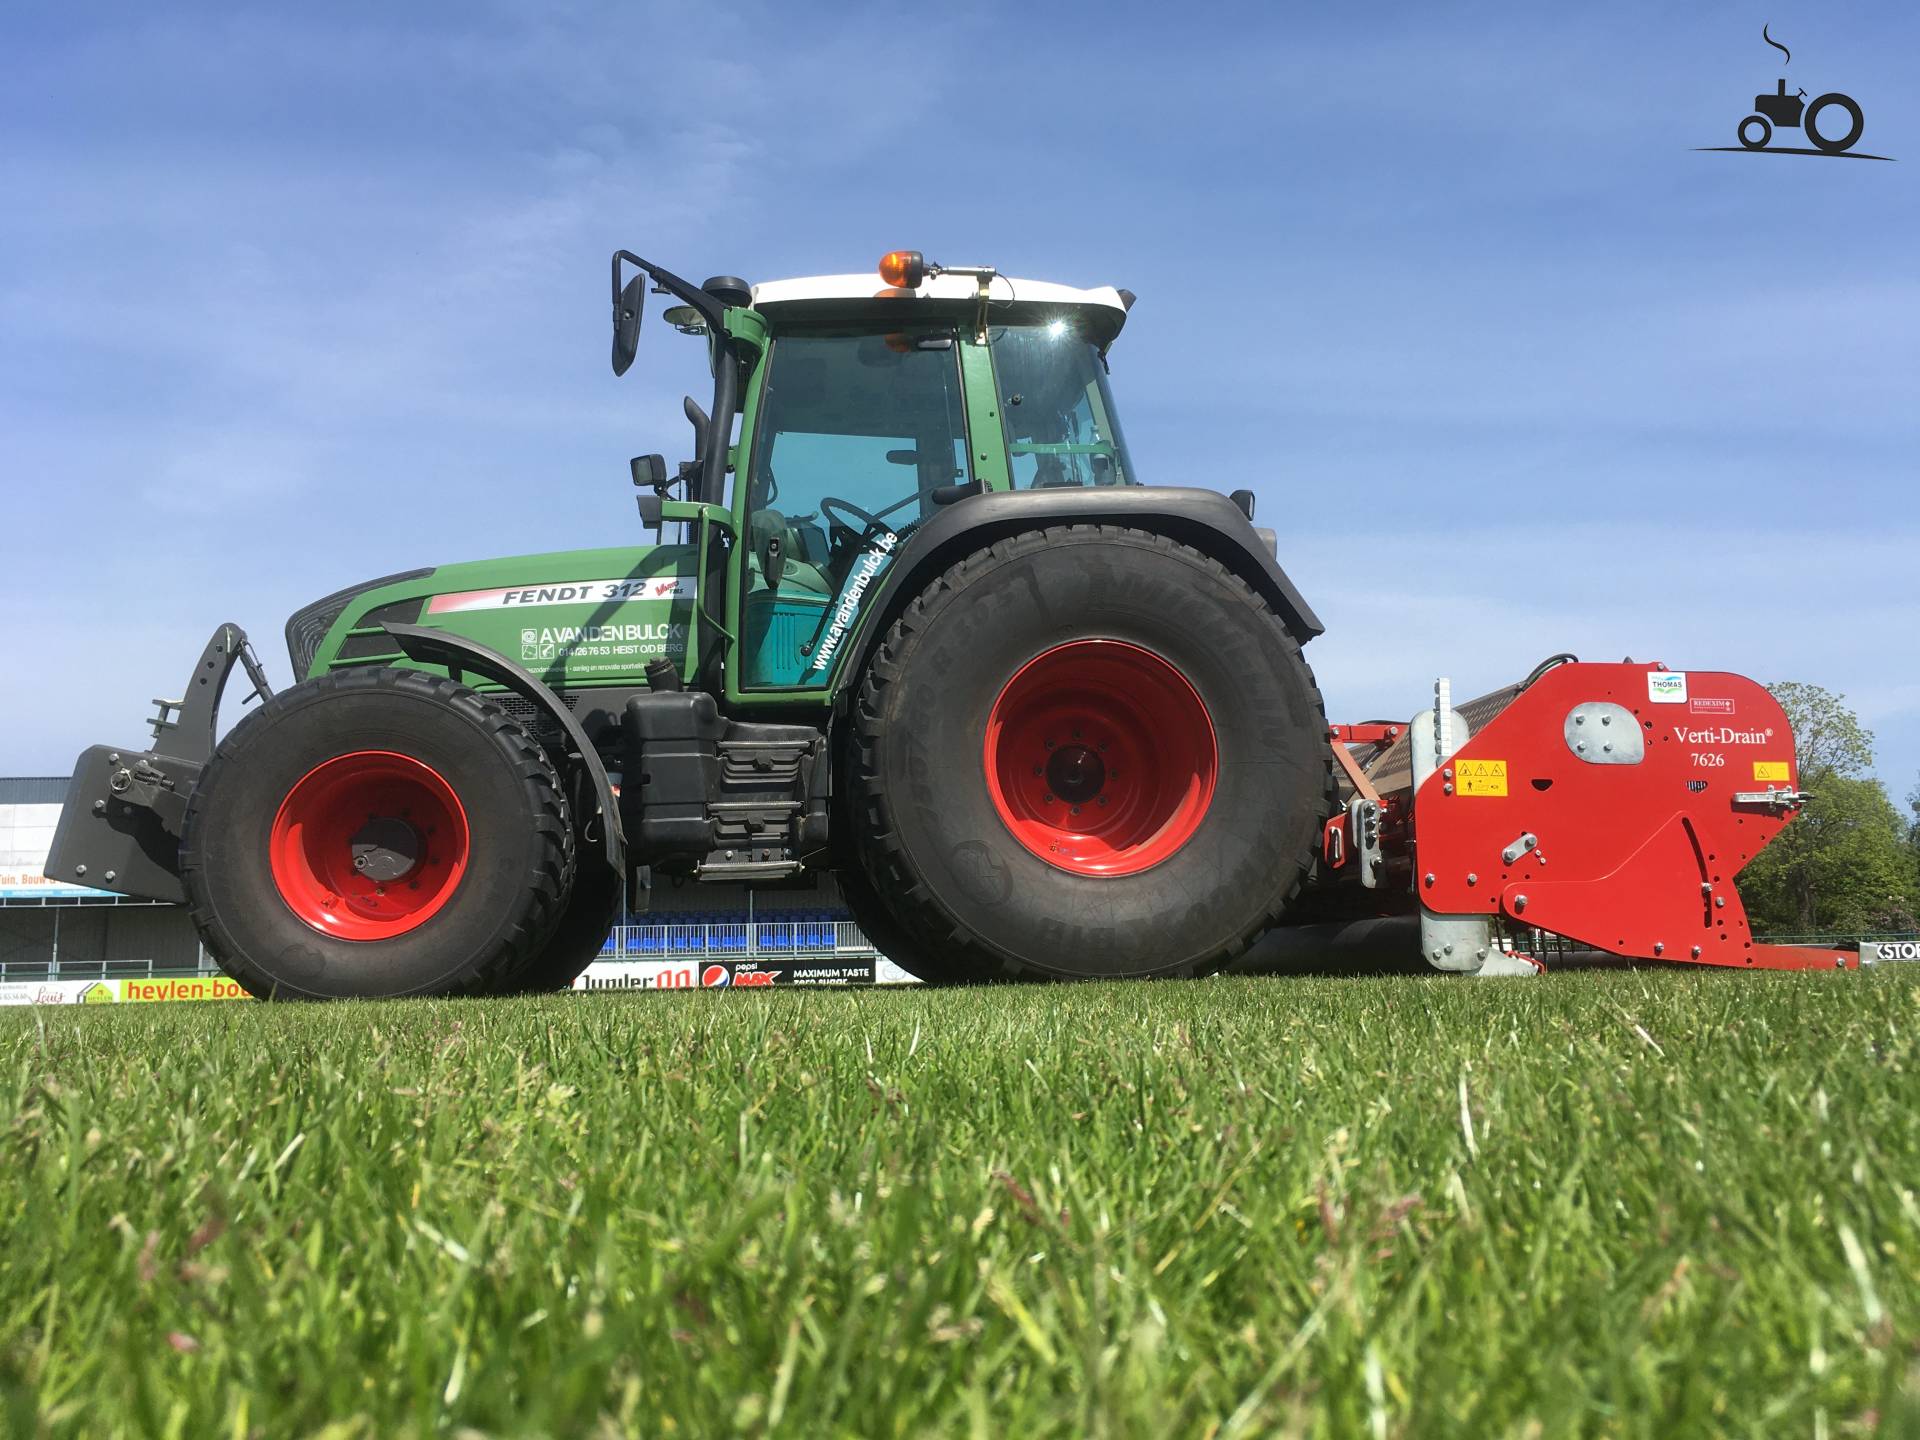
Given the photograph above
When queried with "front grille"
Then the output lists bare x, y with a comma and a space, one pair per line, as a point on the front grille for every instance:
307, 627
379, 645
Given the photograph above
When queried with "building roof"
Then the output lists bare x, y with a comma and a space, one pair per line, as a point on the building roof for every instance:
33, 789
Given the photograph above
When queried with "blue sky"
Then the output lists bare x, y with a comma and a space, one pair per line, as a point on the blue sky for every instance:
295, 296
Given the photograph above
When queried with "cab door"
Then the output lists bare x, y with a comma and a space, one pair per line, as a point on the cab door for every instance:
854, 431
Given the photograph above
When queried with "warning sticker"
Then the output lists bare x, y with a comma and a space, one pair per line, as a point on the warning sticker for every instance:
1770, 770
1480, 777
1667, 687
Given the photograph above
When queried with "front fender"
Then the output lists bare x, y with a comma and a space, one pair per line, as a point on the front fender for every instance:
457, 653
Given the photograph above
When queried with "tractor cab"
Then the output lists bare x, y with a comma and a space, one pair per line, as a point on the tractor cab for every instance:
864, 410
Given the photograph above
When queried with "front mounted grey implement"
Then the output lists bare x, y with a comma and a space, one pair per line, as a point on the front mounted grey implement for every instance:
121, 826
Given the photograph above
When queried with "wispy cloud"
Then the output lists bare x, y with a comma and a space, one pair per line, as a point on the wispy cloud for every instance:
306, 295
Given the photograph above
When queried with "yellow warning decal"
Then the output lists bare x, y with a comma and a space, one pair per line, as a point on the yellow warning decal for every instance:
1770, 770
1480, 777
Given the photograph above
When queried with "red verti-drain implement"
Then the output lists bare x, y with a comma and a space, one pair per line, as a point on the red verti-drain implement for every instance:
1593, 808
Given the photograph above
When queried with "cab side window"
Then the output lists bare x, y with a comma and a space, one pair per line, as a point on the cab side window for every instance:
1057, 410
856, 430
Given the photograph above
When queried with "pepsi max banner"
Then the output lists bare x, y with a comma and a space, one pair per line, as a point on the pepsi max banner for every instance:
606, 975
725, 974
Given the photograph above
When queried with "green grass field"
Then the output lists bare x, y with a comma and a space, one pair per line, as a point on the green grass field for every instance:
1651, 1204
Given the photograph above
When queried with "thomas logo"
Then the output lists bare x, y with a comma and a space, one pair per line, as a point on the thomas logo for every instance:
1667, 687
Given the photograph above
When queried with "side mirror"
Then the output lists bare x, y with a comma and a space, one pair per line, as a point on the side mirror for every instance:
627, 306
649, 470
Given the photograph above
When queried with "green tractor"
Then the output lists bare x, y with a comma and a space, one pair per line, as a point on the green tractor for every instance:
911, 619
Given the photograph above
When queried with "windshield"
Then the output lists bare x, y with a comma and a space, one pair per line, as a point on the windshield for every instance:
1057, 409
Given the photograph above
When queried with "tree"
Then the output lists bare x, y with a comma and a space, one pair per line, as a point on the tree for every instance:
1846, 863
1913, 831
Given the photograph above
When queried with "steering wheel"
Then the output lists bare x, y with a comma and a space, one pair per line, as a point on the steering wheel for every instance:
870, 521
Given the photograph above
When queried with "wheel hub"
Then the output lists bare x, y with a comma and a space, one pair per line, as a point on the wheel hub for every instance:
1076, 773
368, 845
1100, 757
385, 848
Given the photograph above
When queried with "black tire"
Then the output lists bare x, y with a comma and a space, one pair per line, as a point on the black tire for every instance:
895, 942
975, 901
578, 939
1766, 132
1844, 142
518, 862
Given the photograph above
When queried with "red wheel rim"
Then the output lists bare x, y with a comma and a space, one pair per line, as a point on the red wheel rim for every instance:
368, 845
1100, 757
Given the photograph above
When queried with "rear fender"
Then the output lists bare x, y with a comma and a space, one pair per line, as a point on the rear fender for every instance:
1204, 519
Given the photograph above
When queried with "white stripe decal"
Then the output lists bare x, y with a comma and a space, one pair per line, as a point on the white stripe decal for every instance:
618, 591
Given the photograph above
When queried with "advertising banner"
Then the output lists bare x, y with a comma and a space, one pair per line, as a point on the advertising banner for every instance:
58, 992
822, 971
112, 992
181, 987
29, 884
725, 974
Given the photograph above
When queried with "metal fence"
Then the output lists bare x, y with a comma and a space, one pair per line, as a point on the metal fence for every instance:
736, 940
147, 969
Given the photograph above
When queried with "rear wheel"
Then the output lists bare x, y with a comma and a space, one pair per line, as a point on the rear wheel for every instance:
1086, 752
1833, 145
376, 832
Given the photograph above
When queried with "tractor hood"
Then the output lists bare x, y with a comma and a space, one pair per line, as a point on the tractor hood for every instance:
576, 617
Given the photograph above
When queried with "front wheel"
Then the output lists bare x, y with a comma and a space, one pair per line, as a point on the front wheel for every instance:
1086, 752
1755, 131
376, 832
581, 936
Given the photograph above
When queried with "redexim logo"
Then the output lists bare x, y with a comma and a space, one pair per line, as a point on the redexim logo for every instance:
847, 609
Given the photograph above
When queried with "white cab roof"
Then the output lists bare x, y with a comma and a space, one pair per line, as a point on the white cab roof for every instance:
1005, 288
